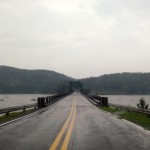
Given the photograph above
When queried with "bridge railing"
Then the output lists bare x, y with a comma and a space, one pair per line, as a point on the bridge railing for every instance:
17, 108
130, 108
103, 101
98, 100
41, 103
45, 101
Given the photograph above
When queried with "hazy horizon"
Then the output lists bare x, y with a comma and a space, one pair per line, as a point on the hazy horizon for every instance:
82, 38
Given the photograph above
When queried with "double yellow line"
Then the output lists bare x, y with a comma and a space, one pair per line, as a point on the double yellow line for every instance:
68, 125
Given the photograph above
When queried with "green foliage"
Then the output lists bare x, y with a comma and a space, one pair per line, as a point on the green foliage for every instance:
138, 118
142, 104
63, 87
14, 115
76, 86
109, 109
119, 83
13, 80
135, 117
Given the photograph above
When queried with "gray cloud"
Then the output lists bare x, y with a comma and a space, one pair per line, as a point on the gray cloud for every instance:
78, 38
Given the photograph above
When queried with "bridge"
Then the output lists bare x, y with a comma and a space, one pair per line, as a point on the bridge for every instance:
72, 123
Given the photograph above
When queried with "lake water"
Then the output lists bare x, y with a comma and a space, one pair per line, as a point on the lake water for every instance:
18, 99
131, 100
22, 99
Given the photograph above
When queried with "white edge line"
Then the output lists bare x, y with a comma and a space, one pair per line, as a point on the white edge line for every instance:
131, 123
26, 116
137, 126
91, 103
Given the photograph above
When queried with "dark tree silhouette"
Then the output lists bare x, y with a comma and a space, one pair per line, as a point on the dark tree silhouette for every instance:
142, 104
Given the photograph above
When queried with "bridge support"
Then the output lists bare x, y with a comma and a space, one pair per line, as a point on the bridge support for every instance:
104, 101
41, 102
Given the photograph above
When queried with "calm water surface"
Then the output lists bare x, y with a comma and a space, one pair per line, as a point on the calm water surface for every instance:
18, 99
131, 100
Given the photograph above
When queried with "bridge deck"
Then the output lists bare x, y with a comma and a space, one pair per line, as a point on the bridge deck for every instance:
75, 124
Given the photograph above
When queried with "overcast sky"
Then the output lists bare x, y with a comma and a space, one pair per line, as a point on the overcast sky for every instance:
79, 38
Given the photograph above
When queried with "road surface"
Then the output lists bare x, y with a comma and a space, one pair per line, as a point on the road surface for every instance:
74, 124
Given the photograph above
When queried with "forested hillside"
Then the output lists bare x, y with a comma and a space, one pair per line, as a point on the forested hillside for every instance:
13, 80
119, 83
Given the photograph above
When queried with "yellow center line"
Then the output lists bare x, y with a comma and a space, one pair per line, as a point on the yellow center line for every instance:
58, 138
67, 138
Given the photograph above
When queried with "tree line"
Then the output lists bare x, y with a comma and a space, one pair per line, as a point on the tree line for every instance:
119, 83
14, 80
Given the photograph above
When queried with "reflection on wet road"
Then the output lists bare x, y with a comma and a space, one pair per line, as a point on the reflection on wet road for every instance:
75, 124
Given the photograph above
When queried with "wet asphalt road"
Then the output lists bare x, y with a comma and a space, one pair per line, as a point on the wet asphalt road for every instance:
88, 127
